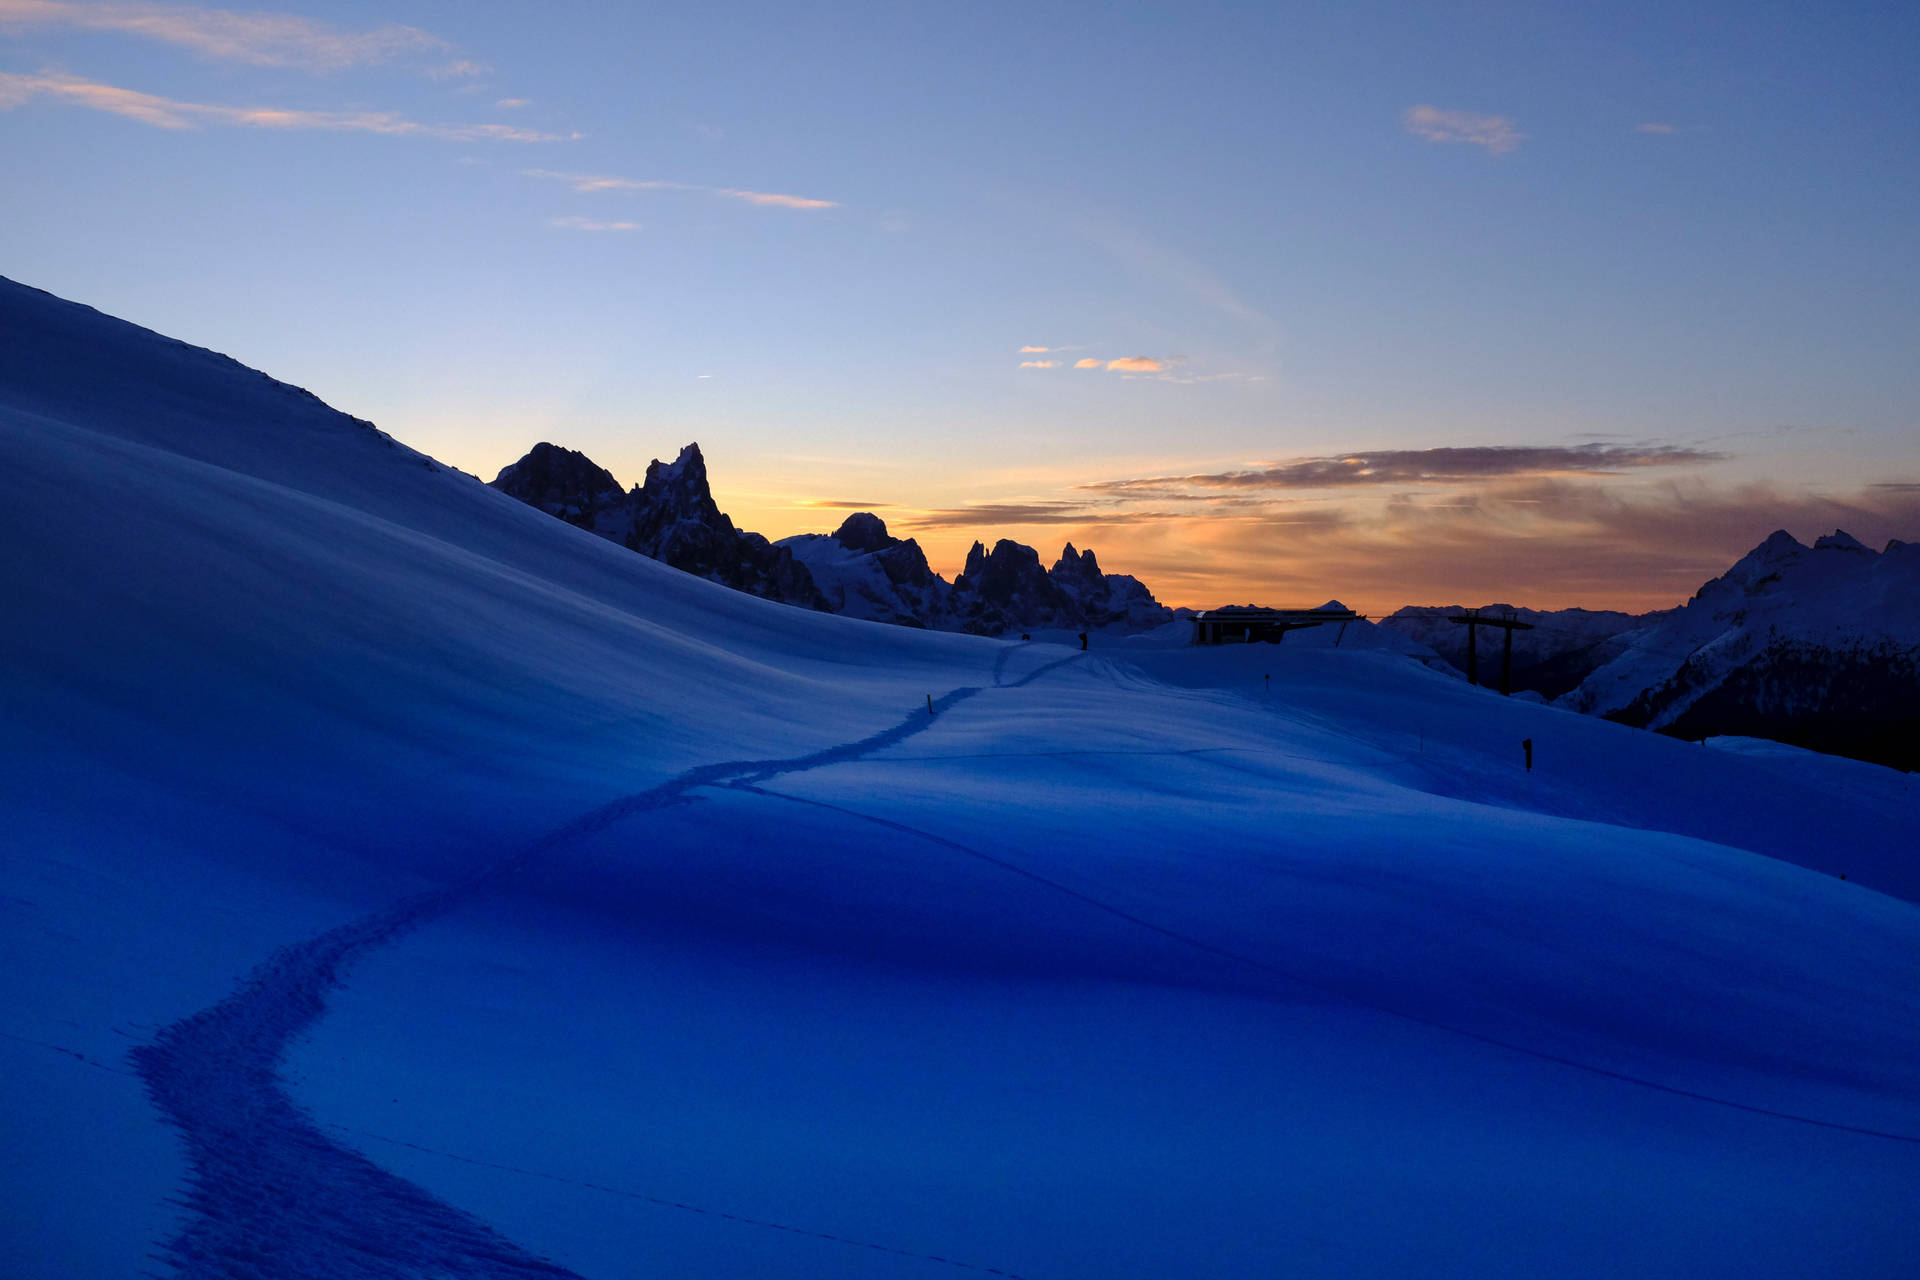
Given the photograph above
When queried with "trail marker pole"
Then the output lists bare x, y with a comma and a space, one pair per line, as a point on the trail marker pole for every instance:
929, 704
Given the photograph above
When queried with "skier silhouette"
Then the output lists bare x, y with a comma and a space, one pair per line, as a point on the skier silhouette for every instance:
1083, 641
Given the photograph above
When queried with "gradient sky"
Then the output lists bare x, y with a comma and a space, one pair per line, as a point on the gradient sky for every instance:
1276, 303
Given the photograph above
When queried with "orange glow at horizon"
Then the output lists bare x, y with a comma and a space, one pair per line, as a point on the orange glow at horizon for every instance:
1561, 547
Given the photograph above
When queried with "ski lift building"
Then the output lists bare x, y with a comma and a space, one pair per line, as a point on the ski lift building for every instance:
1245, 625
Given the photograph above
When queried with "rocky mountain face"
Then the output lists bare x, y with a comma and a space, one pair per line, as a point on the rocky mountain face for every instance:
1107, 599
1563, 649
859, 570
872, 574
566, 483
1816, 646
671, 518
865, 572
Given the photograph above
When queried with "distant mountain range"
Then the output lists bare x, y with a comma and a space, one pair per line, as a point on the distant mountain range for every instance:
1815, 646
1562, 649
859, 570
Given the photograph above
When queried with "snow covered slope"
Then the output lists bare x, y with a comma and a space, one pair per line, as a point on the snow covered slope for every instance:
1818, 646
477, 898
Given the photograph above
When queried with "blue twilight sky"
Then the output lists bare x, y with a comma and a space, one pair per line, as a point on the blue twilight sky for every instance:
1644, 275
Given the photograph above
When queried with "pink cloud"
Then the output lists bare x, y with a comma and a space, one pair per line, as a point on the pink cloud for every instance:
1496, 133
170, 113
1136, 364
257, 39
590, 182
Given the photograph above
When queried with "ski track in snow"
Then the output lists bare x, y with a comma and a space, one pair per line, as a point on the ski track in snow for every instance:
269, 1194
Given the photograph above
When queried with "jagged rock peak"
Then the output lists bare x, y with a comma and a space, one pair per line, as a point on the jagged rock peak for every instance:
549, 466
688, 471
680, 491
1841, 540
864, 531
1010, 557
1077, 565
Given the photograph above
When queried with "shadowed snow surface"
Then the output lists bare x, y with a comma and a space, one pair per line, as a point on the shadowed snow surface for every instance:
480, 899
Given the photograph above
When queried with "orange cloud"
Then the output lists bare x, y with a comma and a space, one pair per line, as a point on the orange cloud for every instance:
169, 113
1455, 464
1031, 350
1088, 363
1136, 364
1496, 133
1038, 364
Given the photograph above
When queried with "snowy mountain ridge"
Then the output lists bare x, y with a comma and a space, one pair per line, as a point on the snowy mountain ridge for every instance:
1814, 645
860, 570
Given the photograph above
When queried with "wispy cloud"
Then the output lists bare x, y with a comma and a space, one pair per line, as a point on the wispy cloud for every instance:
1136, 364
512, 104
1088, 363
1496, 133
999, 515
594, 224
1032, 350
590, 182
770, 198
844, 504
460, 68
1038, 364
170, 113
257, 39
1182, 273
1654, 127
1428, 466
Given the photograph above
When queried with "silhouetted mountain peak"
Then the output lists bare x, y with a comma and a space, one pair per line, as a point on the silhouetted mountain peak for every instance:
864, 531
1077, 566
1841, 540
561, 482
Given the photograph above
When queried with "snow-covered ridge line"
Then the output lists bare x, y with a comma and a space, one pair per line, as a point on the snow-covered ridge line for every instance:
1816, 646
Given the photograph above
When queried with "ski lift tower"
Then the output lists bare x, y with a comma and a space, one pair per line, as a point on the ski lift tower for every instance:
1473, 620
